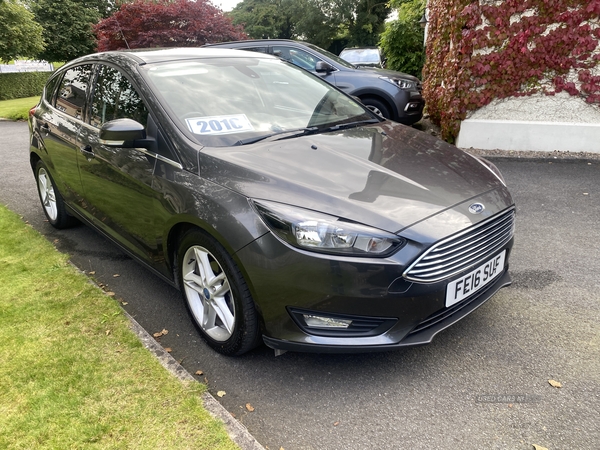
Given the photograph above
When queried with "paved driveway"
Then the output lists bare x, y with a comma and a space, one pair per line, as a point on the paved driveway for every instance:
482, 384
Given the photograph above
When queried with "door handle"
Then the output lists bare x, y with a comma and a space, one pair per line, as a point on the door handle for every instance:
87, 151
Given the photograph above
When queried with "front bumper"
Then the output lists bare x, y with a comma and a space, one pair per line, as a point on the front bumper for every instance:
422, 334
284, 279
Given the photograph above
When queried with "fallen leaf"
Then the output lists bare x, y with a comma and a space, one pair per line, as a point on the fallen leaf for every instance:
586, 193
232, 414
555, 384
335, 424
116, 275
55, 241
249, 407
124, 303
199, 373
107, 332
205, 380
168, 349
110, 294
160, 333
92, 272
539, 447
221, 393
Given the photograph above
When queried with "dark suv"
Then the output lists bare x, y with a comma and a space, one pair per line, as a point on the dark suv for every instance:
393, 95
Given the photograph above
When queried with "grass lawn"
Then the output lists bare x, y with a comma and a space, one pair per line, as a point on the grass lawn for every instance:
72, 374
18, 108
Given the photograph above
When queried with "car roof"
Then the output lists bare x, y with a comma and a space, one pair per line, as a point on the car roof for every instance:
255, 41
156, 55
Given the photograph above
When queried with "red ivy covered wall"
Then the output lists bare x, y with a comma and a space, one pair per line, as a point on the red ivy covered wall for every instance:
479, 51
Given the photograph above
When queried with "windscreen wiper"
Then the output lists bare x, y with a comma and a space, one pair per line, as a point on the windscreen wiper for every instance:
344, 126
292, 133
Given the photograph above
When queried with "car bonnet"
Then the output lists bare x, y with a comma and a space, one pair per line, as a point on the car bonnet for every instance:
387, 175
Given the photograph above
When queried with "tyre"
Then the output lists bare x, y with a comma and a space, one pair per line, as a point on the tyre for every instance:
216, 295
52, 202
377, 106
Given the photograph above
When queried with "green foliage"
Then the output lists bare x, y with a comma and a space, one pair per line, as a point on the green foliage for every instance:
67, 27
73, 375
402, 40
477, 53
265, 19
20, 35
24, 84
366, 28
17, 109
320, 22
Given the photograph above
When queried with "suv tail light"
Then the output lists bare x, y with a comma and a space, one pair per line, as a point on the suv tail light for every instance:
32, 111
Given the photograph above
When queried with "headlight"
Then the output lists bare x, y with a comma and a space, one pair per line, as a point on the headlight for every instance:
402, 83
311, 230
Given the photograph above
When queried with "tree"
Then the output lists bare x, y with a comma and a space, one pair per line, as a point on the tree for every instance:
67, 27
367, 24
318, 21
20, 35
265, 19
402, 40
165, 23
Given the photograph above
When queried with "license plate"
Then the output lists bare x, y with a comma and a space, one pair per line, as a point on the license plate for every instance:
472, 282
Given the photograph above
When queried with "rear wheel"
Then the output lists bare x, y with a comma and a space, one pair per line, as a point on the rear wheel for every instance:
377, 106
52, 202
216, 294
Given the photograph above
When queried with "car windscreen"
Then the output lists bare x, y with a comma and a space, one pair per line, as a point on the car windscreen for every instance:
361, 55
225, 101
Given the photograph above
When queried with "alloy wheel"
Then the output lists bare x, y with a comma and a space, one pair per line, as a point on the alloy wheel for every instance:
208, 293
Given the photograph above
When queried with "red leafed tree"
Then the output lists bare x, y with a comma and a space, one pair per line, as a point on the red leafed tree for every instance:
165, 23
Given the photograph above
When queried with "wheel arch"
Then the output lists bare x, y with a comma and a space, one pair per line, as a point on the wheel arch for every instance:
184, 224
188, 223
380, 96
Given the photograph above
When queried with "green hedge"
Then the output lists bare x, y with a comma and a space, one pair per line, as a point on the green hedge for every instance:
23, 84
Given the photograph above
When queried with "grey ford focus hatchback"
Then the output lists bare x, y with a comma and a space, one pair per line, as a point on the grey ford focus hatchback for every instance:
284, 210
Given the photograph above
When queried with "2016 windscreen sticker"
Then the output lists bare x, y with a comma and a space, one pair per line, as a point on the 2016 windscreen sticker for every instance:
234, 123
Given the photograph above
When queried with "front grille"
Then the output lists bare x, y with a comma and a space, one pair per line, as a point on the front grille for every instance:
464, 250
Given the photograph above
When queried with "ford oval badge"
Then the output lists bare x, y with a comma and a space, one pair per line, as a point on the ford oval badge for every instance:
476, 208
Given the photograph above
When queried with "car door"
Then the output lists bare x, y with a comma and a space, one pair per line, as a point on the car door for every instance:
117, 182
58, 128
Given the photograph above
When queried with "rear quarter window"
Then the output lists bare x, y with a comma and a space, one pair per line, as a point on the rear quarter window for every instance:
72, 91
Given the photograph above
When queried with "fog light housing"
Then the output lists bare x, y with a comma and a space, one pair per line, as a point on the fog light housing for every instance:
313, 321
412, 106
320, 323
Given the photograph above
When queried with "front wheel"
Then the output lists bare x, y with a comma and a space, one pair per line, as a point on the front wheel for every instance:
52, 201
217, 297
377, 106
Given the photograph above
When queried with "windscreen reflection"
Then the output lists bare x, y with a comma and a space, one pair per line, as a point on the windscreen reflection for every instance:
225, 100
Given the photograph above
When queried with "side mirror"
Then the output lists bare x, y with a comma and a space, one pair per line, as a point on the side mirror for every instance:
323, 67
124, 133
